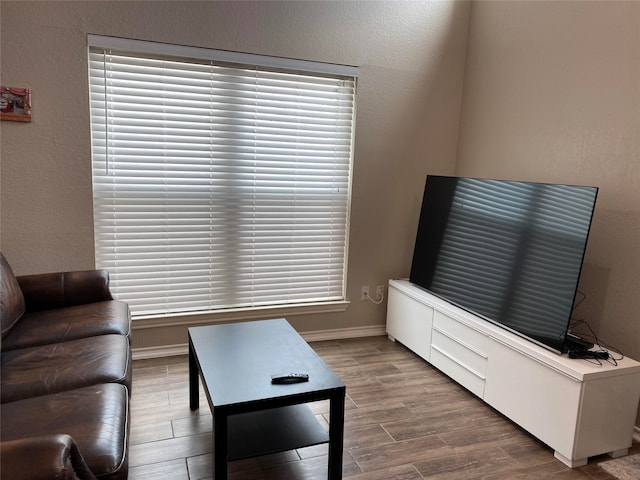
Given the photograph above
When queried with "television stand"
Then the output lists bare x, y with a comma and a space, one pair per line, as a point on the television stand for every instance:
580, 409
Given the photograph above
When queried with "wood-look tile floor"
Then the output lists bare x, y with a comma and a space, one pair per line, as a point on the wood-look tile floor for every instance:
404, 420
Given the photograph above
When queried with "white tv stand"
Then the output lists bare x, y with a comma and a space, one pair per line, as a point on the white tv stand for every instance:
577, 408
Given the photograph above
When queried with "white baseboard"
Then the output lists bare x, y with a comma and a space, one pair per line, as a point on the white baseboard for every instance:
142, 353
636, 434
340, 333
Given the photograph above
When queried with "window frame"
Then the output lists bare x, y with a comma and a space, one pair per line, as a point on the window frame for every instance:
237, 58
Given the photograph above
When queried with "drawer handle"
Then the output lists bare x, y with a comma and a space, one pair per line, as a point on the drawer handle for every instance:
460, 342
458, 362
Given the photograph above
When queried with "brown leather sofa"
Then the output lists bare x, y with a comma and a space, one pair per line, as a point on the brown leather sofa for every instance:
65, 377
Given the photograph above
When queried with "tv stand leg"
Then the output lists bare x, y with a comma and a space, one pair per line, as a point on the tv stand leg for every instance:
577, 462
618, 453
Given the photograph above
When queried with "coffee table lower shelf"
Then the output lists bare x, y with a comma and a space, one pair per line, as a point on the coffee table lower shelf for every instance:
272, 431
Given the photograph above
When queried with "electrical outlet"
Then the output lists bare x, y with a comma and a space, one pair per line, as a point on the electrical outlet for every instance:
379, 292
364, 292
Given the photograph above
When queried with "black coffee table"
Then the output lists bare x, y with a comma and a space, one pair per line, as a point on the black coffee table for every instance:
252, 416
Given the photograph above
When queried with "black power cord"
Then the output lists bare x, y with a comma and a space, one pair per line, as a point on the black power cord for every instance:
605, 352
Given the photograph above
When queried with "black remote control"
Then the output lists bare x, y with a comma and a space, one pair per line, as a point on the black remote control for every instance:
285, 378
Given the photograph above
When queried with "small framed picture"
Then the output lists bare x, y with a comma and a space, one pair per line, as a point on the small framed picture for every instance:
15, 104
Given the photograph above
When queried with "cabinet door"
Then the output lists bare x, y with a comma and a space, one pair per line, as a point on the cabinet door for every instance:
539, 398
409, 321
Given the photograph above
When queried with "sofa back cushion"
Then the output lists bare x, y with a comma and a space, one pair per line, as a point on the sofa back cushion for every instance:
11, 298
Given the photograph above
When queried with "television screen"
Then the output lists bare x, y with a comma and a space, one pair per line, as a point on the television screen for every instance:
510, 252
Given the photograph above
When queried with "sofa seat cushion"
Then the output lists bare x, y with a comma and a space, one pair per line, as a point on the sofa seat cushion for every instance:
34, 371
70, 323
63, 459
96, 417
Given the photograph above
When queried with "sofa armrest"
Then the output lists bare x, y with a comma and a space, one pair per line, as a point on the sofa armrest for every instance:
45, 291
43, 458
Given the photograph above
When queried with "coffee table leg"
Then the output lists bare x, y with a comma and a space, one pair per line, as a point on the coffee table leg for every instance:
336, 437
220, 447
194, 394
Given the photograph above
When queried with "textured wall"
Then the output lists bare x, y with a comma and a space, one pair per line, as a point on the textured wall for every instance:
411, 58
552, 93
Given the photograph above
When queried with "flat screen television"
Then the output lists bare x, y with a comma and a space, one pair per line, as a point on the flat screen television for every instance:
510, 252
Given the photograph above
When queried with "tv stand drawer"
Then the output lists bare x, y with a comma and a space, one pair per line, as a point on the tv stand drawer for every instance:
461, 333
458, 361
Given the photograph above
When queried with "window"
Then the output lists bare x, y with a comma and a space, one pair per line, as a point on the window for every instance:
220, 180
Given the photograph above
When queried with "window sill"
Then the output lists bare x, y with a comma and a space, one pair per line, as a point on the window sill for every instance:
207, 318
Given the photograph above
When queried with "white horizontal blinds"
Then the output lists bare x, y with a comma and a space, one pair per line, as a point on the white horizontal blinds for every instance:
219, 186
